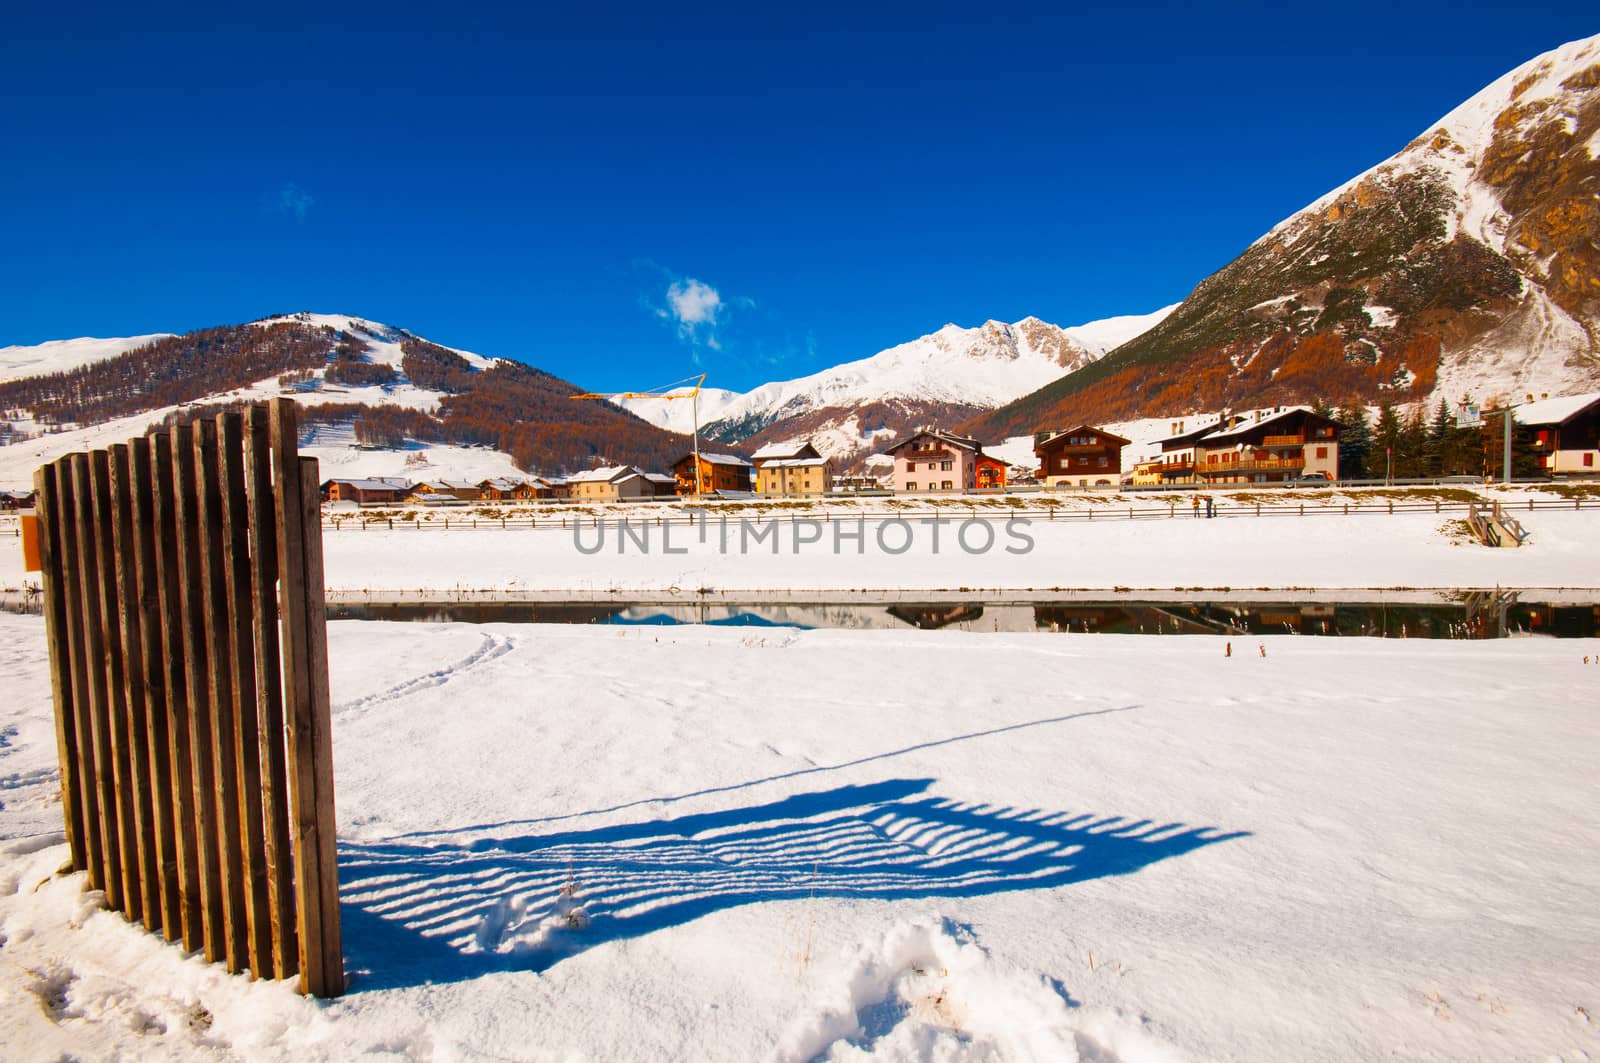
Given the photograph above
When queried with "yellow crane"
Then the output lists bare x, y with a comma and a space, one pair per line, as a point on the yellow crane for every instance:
666, 392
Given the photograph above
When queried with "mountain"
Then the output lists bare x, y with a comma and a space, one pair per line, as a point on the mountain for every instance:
1468, 262
941, 378
364, 387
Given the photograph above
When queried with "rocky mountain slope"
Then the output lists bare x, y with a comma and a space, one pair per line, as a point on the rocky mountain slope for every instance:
1468, 262
941, 378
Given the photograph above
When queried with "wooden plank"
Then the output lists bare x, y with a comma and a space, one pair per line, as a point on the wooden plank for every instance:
78, 660
219, 648
238, 561
298, 706
322, 728
174, 626
269, 691
153, 668
94, 650
135, 730
57, 623
116, 690
197, 675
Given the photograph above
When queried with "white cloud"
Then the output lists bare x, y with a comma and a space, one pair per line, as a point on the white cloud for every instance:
294, 201
694, 302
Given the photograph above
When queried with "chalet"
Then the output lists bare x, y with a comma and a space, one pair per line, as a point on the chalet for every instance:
1175, 464
991, 473
613, 483
792, 468
462, 490
1269, 447
1084, 456
539, 487
718, 472
366, 492
498, 490
11, 500
933, 460
1566, 433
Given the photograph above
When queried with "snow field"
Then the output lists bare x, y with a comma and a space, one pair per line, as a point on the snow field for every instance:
896, 845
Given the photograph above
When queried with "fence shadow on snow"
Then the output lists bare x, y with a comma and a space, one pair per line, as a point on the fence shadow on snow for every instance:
416, 913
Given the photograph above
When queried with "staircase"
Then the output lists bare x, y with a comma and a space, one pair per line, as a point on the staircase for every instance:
1494, 526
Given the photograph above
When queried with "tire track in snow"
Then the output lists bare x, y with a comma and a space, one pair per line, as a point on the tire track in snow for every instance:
491, 647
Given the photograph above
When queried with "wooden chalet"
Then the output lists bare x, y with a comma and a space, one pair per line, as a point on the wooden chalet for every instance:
661, 485
1268, 446
460, 490
366, 492
1566, 433
718, 472
498, 490
1084, 456
14, 500
612, 483
934, 460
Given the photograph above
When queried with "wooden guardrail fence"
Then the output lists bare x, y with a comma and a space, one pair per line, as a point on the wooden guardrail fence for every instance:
184, 611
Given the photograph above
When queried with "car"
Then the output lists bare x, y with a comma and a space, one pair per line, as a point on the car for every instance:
1311, 479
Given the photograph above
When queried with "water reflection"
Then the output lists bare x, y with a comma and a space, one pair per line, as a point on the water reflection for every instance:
1478, 615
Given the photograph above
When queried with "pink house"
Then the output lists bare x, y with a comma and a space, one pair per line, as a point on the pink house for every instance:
933, 460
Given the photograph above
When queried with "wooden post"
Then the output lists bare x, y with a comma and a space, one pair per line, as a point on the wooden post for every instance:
57, 621
175, 626
197, 668
155, 670
274, 779
94, 656
304, 620
224, 762
141, 870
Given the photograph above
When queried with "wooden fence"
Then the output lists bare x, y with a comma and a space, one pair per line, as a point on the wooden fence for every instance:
184, 610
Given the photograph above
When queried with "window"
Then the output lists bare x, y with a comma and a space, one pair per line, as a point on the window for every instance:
945, 486
1322, 452
911, 486
1588, 460
1102, 461
944, 466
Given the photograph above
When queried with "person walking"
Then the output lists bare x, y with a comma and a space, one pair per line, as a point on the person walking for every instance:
1211, 507
1194, 504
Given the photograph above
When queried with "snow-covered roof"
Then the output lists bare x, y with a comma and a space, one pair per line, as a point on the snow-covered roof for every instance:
794, 463
718, 459
1554, 411
380, 483
789, 448
500, 484
1247, 424
449, 485
661, 478
604, 475
951, 438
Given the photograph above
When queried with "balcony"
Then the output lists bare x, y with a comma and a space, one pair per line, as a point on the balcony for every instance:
1075, 448
1175, 468
1255, 465
1283, 441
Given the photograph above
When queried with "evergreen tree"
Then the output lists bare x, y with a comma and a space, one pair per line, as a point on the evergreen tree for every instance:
1438, 445
1386, 442
1355, 440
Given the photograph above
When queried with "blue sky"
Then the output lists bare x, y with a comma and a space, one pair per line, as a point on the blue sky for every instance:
621, 194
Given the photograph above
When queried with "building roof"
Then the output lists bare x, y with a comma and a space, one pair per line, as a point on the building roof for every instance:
1556, 410
449, 485
714, 459
1069, 433
604, 475
500, 484
794, 463
951, 438
790, 448
376, 484
1247, 424
661, 478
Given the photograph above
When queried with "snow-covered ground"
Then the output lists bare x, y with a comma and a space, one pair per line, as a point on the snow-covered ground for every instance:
892, 845
1377, 551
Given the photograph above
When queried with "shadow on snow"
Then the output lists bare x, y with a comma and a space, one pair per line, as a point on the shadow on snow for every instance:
417, 913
